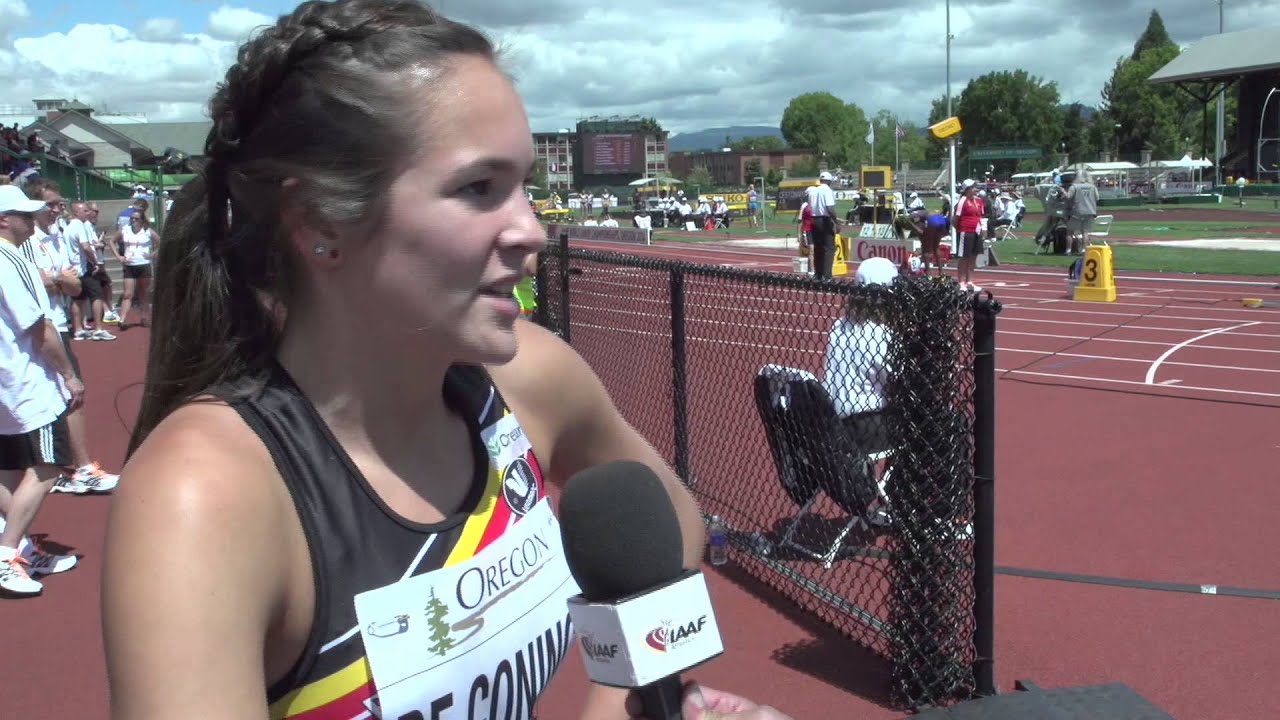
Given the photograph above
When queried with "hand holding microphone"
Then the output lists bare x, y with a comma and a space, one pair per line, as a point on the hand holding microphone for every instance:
642, 619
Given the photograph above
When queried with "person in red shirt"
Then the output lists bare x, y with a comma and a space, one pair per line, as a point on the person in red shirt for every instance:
967, 215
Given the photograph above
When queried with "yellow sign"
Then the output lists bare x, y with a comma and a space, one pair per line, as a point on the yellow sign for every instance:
735, 201
877, 177
840, 265
945, 128
1097, 281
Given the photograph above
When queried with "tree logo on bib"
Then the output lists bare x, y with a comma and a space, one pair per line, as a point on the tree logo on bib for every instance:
519, 486
441, 642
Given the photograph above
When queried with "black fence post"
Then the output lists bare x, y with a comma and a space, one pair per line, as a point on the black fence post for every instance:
679, 380
563, 251
984, 494
540, 291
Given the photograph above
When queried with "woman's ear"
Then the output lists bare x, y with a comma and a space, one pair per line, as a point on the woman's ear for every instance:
307, 237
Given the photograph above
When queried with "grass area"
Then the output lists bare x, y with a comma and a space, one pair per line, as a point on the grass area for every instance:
1154, 258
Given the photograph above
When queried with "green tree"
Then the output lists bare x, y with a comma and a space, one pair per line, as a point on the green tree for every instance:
1162, 117
699, 178
824, 123
1075, 139
1002, 108
752, 169
1154, 36
441, 643
803, 168
912, 146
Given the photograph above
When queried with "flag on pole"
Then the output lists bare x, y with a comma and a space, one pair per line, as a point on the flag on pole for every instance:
900, 132
871, 133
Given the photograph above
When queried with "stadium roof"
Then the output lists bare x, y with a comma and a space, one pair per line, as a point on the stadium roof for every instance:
188, 137
1225, 56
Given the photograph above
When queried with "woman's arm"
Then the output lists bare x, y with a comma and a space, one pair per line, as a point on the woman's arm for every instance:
113, 246
192, 572
578, 427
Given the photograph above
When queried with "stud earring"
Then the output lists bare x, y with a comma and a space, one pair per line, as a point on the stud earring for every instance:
319, 250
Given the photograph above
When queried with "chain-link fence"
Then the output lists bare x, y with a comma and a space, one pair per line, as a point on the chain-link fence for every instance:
830, 425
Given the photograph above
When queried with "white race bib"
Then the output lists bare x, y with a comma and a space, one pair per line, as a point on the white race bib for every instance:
478, 640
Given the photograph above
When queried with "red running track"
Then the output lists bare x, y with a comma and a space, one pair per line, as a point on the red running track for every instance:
1098, 472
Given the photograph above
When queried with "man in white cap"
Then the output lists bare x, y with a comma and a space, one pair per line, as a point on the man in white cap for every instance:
37, 389
857, 361
822, 201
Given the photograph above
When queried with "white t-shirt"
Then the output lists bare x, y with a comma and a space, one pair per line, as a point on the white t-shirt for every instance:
137, 246
78, 235
820, 198
47, 255
856, 366
31, 393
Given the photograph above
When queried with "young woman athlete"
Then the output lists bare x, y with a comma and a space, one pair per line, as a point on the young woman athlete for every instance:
340, 466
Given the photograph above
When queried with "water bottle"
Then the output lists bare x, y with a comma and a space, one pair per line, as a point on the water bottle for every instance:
718, 549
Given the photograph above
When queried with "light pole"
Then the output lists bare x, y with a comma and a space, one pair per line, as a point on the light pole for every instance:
1222, 119
951, 145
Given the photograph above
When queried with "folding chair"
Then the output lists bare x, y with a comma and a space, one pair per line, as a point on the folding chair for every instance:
814, 454
1101, 228
1006, 232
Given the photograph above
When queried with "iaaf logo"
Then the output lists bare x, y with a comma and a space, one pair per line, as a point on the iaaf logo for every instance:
669, 636
598, 651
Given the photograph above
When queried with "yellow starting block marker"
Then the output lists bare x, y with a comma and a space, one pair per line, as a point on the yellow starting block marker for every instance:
1097, 281
840, 266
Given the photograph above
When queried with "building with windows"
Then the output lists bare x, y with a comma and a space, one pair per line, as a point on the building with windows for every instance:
554, 151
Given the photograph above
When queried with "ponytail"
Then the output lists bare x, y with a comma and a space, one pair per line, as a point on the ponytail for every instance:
208, 326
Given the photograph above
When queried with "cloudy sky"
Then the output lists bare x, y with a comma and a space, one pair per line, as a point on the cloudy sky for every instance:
692, 66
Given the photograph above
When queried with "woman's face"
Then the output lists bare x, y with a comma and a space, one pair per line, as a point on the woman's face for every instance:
438, 273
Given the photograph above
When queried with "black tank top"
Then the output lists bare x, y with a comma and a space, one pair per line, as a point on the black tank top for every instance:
358, 544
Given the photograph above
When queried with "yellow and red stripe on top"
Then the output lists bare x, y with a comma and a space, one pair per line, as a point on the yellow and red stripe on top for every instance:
341, 695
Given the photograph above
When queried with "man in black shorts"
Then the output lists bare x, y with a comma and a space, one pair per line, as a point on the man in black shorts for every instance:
37, 389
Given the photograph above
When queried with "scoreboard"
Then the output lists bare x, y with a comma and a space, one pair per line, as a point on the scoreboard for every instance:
613, 154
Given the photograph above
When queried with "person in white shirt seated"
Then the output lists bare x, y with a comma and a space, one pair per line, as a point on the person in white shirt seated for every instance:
721, 209
857, 370
704, 207
914, 202
590, 222
608, 221
682, 209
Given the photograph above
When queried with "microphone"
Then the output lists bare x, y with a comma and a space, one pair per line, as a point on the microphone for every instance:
641, 618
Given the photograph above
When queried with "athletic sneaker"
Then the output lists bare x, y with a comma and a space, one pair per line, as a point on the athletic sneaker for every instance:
89, 479
14, 580
110, 316
102, 335
83, 334
43, 562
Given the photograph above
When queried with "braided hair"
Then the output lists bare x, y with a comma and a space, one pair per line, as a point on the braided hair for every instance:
330, 98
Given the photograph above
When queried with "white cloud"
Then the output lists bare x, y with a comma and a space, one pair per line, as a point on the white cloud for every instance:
232, 23
13, 13
720, 62
161, 30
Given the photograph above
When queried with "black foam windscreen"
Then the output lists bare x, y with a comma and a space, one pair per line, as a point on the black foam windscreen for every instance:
621, 535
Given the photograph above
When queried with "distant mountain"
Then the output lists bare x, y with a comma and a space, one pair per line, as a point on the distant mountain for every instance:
713, 138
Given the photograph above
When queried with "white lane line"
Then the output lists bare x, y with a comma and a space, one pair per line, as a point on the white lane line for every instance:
1151, 371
